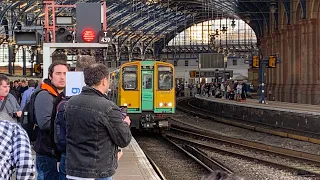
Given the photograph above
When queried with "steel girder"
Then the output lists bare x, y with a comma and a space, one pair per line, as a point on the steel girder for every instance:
132, 16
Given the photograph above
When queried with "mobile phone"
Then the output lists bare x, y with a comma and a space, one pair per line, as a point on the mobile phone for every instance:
124, 112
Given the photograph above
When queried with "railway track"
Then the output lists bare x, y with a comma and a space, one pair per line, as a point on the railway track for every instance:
186, 106
200, 157
303, 163
155, 167
168, 160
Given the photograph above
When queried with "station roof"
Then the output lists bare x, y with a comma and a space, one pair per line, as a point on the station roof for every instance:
155, 20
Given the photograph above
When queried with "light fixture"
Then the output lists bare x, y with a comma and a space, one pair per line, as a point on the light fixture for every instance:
273, 7
233, 24
247, 18
224, 29
217, 32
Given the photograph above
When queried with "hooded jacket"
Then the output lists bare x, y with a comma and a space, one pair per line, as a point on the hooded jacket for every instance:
45, 104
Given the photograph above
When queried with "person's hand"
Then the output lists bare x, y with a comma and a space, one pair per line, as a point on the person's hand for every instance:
127, 120
19, 113
120, 153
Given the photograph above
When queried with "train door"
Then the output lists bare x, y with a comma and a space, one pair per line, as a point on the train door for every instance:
147, 90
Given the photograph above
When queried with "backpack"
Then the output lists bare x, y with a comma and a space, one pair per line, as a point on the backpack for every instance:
28, 118
59, 127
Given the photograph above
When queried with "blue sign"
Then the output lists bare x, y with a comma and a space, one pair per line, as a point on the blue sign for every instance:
75, 90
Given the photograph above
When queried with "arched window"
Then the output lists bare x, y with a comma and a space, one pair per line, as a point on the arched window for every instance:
225, 31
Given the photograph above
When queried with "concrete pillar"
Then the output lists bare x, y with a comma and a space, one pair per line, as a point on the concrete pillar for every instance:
313, 94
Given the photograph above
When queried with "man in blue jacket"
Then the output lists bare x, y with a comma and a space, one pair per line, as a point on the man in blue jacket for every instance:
27, 94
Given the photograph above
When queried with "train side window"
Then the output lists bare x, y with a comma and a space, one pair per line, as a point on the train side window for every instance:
129, 78
165, 79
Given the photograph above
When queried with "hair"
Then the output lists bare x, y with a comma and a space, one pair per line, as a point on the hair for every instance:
221, 175
4, 78
84, 61
31, 83
54, 64
95, 73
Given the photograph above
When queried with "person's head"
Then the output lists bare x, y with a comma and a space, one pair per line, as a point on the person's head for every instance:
31, 83
23, 83
97, 76
221, 175
4, 85
84, 61
16, 83
57, 74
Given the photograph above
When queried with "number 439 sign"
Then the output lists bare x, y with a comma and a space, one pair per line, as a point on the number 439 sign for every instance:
105, 37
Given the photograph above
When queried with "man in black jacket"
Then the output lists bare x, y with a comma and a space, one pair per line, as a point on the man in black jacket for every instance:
95, 129
45, 103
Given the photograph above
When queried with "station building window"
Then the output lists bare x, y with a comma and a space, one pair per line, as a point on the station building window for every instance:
175, 63
109, 64
186, 63
234, 62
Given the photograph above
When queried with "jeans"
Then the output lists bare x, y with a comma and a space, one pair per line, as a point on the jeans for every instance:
46, 167
62, 167
108, 178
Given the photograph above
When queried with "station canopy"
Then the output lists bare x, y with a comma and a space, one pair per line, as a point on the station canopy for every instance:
156, 20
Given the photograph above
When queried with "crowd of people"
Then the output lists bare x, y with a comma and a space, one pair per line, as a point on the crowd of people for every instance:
88, 117
232, 90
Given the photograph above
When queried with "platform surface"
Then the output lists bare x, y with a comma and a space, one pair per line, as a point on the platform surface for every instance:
271, 105
133, 164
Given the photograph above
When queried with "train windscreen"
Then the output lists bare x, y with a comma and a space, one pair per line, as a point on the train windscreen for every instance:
165, 79
129, 77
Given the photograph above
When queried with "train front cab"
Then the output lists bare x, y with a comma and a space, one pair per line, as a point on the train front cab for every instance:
147, 90
164, 94
129, 91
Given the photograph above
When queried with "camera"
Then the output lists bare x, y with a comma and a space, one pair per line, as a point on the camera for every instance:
14, 115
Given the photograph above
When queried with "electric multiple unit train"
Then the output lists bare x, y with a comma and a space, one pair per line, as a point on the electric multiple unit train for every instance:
146, 88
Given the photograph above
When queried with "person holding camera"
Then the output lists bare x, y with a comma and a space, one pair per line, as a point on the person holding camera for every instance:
95, 129
8, 103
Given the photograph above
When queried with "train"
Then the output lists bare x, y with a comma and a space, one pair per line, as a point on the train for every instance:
147, 89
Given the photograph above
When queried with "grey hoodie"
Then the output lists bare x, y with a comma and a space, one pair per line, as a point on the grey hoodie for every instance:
11, 105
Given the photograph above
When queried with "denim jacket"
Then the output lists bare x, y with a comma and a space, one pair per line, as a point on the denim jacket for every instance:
95, 129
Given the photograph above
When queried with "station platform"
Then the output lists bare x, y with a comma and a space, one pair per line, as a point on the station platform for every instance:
133, 165
271, 105
303, 117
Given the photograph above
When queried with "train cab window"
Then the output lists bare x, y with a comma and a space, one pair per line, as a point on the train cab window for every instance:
165, 79
129, 78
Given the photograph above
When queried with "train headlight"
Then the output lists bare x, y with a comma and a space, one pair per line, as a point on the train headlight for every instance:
160, 104
169, 104
125, 104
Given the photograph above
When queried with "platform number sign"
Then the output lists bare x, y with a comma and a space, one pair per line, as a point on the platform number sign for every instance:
272, 61
255, 61
105, 37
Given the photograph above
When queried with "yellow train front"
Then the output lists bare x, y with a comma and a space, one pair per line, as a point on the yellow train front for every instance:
147, 89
